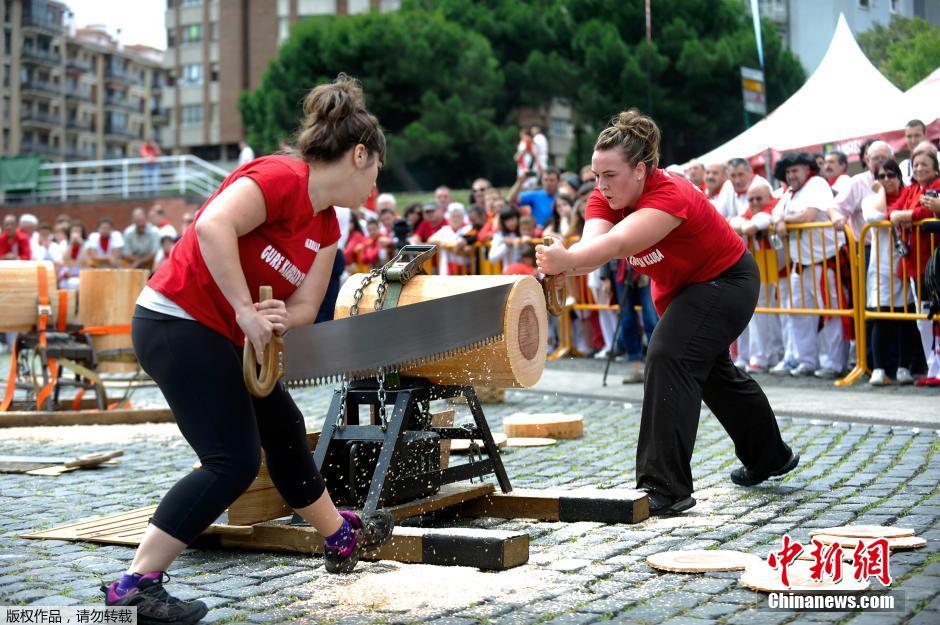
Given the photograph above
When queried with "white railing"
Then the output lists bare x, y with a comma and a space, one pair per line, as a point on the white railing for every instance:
123, 178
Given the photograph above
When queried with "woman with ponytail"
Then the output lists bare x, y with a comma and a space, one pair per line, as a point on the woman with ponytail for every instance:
705, 286
271, 222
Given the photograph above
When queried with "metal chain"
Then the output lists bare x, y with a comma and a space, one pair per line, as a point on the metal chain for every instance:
341, 417
357, 294
383, 417
380, 292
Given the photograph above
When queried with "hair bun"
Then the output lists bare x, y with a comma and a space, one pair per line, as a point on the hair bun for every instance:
635, 134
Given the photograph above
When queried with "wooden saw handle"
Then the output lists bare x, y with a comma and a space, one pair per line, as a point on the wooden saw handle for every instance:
555, 287
260, 384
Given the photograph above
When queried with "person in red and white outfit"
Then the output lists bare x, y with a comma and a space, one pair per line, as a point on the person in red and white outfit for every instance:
812, 275
920, 200
13, 244
765, 333
731, 204
705, 285
103, 247
835, 166
271, 222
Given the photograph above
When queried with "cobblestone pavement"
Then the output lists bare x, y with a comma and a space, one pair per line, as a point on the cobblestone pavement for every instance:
577, 573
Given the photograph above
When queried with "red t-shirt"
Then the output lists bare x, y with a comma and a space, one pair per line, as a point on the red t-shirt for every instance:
278, 253
698, 250
426, 229
915, 263
17, 244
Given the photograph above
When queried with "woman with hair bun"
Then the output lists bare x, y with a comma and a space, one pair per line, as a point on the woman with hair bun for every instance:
705, 286
271, 222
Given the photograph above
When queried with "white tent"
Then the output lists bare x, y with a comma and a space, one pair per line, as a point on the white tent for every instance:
845, 98
923, 99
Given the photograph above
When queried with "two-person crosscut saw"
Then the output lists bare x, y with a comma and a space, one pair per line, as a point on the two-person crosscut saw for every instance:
390, 340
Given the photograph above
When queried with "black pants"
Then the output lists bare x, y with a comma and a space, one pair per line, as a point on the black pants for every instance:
894, 343
200, 373
688, 362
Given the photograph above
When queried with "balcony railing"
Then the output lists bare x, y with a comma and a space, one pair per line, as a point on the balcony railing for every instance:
42, 118
123, 178
41, 86
121, 102
41, 55
73, 62
34, 21
77, 124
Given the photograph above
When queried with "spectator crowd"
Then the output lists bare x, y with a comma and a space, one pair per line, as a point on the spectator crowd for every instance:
804, 268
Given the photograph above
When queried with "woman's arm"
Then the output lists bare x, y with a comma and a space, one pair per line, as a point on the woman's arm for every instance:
640, 230
304, 303
235, 212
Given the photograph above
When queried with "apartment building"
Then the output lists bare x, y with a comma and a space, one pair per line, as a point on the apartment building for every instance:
74, 94
216, 49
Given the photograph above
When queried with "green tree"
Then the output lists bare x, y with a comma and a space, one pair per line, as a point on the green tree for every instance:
906, 51
594, 52
431, 83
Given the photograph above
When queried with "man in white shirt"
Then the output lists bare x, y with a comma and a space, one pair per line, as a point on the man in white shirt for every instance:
732, 204
104, 245
245, 153
716, 182
847, 205
915, 131
45, 248
812, 277
157, 217
540, 141
835, 165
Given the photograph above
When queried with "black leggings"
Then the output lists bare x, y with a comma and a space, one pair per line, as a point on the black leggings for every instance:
688, 362
200, 373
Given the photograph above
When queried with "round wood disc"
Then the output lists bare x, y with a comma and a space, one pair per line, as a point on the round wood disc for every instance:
462, 445
865, 531
530, 442
701, 560
765, 579
544, 425
900, 542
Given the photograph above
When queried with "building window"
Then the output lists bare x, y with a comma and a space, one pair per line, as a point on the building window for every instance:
316, 7
192, 114
191, 74
895, 6
214, 31
171, 37
190, 3
192, 33
283, 29
214, 72
864, 4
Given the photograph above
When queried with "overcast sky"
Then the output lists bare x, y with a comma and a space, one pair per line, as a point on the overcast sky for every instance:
140, 21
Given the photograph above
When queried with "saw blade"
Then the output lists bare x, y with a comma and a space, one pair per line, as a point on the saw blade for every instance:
396, 339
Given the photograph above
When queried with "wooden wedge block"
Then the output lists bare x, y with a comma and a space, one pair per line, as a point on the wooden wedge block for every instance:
444, 419
449, 495
601, 506
530, 442
544, 425
480, 548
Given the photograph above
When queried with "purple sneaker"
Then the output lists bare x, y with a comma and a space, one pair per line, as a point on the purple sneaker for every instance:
155, 606
371, 532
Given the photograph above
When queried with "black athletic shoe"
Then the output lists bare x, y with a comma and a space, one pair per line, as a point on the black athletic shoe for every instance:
742, 476
664, 505
372, 532
155, 606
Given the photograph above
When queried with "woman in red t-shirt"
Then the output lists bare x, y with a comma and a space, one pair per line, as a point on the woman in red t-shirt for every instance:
270, 222
918, 201
705, 287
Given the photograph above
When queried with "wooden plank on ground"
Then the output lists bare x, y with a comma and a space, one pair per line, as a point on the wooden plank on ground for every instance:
603, 506
122, 528
480, 548
26, 418
448, 495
